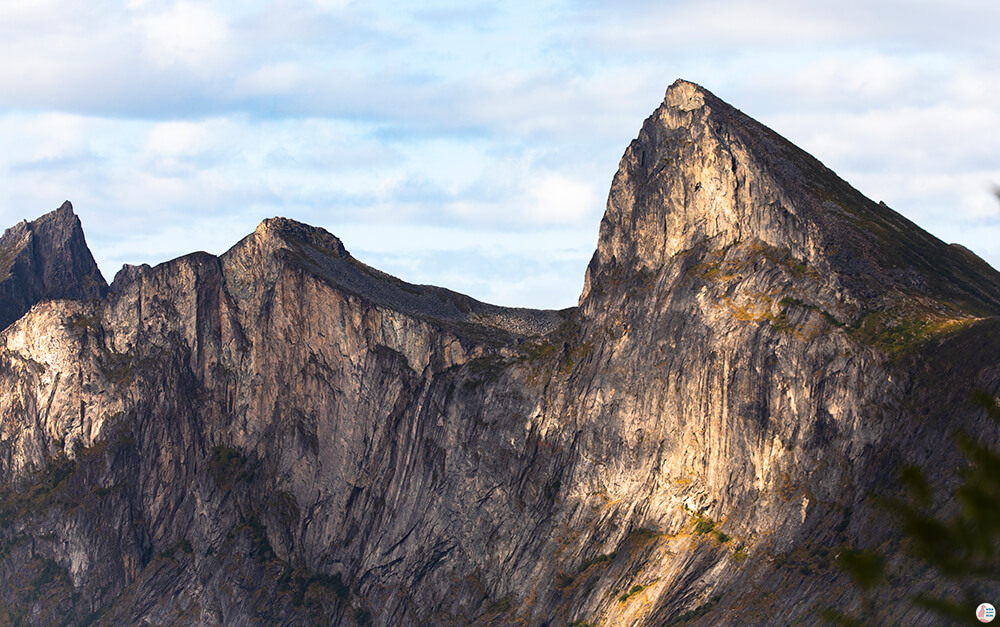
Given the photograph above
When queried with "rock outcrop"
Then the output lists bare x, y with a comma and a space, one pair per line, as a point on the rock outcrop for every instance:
283, 435
46, 258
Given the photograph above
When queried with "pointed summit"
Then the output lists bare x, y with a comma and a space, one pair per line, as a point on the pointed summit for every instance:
46, 258
702, 176
686, 96
694, 174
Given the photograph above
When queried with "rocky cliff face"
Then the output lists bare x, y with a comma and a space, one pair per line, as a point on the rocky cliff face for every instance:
46, 258
283, 435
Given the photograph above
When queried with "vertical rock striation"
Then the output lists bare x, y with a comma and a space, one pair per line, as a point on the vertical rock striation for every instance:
46, 258
284, 435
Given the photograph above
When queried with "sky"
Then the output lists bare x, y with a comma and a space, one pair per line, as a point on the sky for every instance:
469, 144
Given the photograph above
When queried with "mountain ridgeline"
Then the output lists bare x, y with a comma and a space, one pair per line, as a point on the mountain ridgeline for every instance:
282, 435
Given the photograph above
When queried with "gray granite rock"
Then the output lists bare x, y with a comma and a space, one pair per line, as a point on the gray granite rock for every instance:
45, 258
283, 435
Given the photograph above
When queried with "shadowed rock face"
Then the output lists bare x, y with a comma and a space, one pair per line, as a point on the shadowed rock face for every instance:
46, 258
283, 435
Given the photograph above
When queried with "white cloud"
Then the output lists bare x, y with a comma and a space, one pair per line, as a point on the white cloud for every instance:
542, 266
685, 26
331, 5
559, 199
173, 139
273, 78
496, 118
188, 35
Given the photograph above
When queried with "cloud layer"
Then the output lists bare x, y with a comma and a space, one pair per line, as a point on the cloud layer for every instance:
489, 131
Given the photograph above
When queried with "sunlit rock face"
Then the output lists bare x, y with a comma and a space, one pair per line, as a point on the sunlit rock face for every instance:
283, 435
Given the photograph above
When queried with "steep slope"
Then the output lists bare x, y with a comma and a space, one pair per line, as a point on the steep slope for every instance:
254, 410
283, 435
46, 258
778, 346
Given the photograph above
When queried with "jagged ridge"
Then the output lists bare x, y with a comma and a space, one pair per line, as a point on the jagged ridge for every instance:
286, 435
324, 255
46, 258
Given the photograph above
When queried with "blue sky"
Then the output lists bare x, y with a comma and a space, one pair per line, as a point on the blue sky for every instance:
469, 145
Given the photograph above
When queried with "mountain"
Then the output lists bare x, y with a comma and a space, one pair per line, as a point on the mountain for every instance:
284, 435
46, 258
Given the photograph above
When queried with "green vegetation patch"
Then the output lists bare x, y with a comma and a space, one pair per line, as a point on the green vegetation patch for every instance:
538, 351
227, 466
488, 365
787, 302
696, 613
705, 526
890, 332
483, 369
51, 489
181, 547
92, 618
122, 369
643, 534
894, 335
12, 542
740, 554
258, 533
960, 544
723, 265
50, 571
634, 590
285, 508
37, 595
807, 559
598, 559
576, 355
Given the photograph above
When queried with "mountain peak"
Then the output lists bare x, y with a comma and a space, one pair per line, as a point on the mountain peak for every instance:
284, 433
46, 258
322, 255
703, 176
686, 95
696, 173
294, 232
